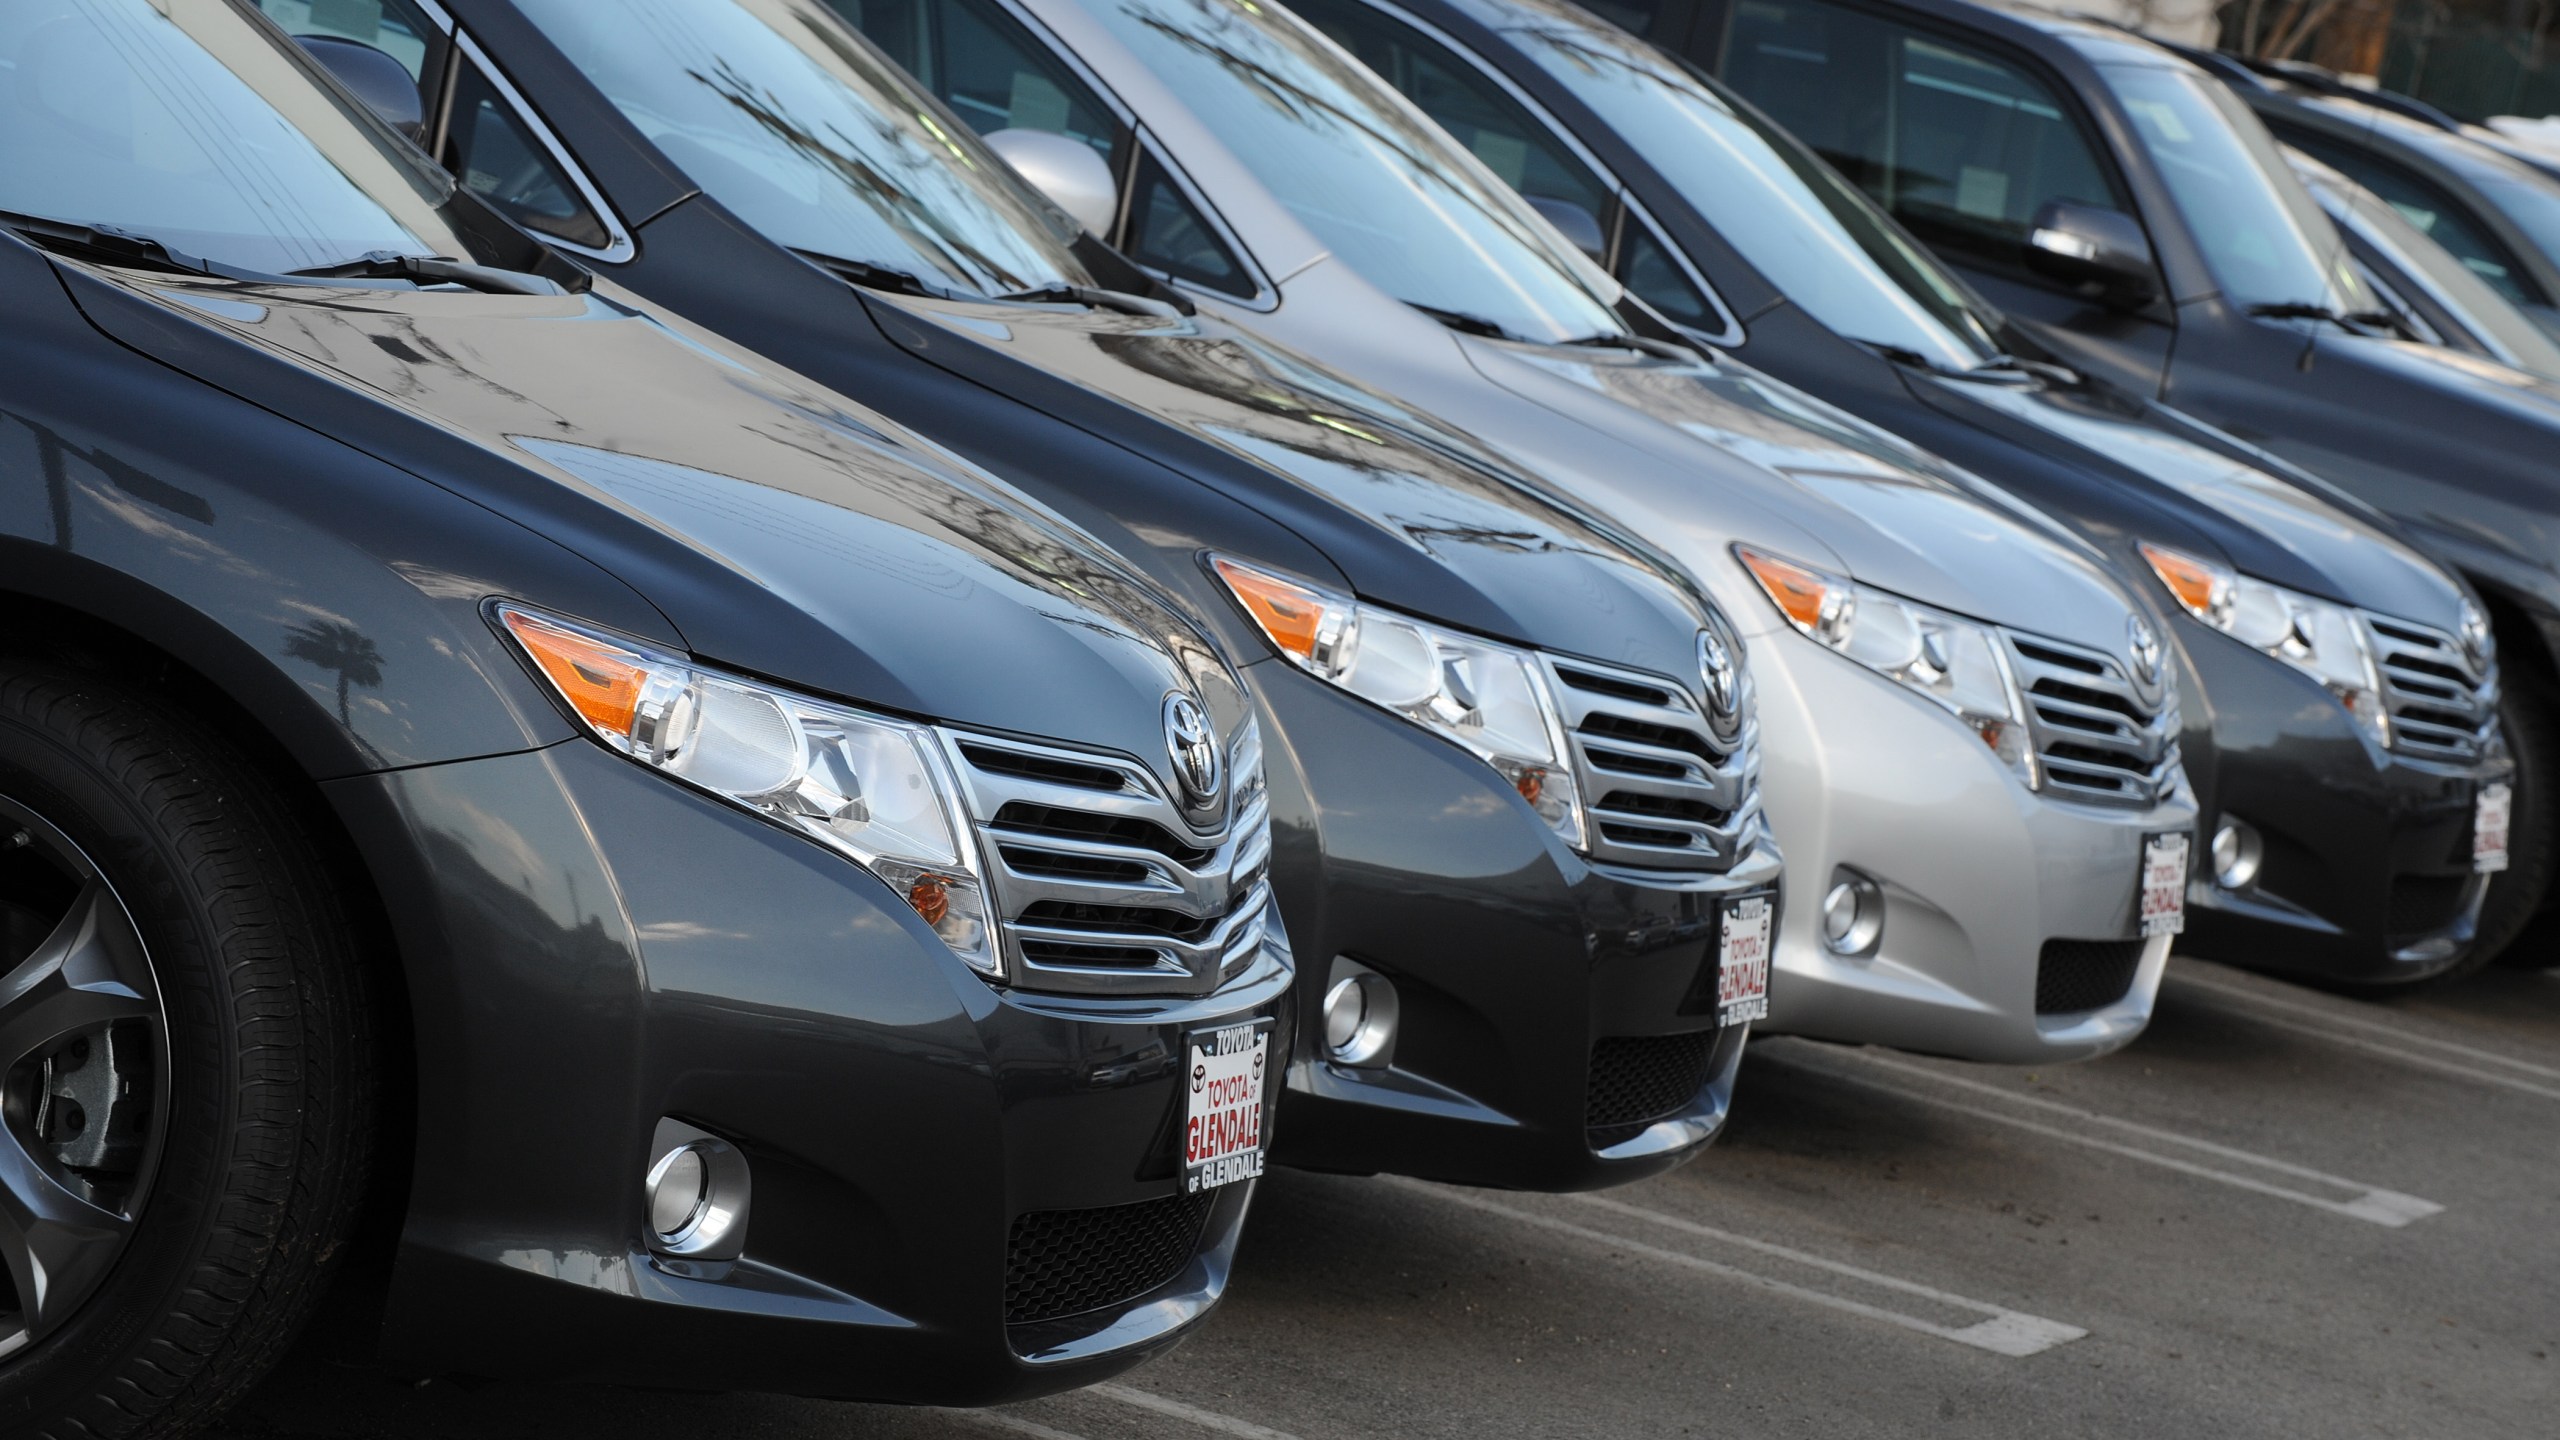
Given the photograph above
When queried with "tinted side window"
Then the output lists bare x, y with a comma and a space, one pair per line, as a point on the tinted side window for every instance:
496, 157
1645, 266
1961, 145
979, 61
1169, 234
1511, 142
2427, 206
395, 27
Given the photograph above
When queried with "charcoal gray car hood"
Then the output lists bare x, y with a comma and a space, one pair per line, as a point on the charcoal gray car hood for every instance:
780, 528
1413, 514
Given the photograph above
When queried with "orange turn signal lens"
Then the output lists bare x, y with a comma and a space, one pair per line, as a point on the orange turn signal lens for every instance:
2197, 585
931, 897
1292, 615
600, 681
1798, 592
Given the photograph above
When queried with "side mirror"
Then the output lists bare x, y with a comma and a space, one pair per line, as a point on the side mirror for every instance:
2091, 245
1576, 224
382, 83
1074, 178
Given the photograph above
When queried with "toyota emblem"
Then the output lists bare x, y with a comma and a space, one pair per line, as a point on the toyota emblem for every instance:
1193, 743
1716, 673
2143, 644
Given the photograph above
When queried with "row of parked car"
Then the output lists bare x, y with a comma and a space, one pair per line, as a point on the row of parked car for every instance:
782, 680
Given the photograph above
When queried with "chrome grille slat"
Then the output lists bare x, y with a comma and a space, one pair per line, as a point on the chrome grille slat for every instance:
2098, 737
1109, 817
1643, 742
2441, 705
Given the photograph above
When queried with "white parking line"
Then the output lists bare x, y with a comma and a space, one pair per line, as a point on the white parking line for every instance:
2002, 1331
2367, 1202
1013, 1424
2329, 1025
1205, 1419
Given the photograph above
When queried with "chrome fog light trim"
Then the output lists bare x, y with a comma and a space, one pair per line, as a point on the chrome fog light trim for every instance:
2237, 853
1360, 1014
1852, 914
695, 1194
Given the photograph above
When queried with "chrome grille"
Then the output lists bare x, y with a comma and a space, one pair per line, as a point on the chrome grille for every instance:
1098, 884
1659, 786
2441, 705
2098, 737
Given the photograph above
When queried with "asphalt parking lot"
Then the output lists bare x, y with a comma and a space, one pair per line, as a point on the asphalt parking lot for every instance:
2280, 1213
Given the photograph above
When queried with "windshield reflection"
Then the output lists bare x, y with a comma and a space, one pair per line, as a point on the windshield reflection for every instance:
782, 114
1376, 182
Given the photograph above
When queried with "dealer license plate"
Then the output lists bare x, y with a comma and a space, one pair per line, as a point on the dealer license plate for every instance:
1742, 961
2489, 818
1222, 1143
2164, 884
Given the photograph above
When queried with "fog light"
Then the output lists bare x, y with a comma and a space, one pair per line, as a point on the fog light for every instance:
2237, 853
1360, 1010
1852, 914
695, 1194
676, 1189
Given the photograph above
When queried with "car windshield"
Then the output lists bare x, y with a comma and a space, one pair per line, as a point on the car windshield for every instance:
783, 114
2265, 238
1380, 185
193, 124
2452, 284
1815, 236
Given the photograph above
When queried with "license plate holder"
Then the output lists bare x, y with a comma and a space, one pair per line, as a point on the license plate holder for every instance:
1224, 1103
1745, 929
2162, 887
2491, 814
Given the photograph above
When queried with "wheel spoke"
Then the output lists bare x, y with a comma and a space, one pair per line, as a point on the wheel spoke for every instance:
56, 1245
88, 972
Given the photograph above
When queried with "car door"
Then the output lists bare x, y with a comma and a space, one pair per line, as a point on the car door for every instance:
1962, 140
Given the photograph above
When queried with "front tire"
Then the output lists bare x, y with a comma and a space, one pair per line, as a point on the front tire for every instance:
186, 1091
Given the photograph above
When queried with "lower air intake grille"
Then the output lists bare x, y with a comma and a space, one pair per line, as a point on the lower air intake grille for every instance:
2077, 975
2423, 904
1065, 1262
1638, 1079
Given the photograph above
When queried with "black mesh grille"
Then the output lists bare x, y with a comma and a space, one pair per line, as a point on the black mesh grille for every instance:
1638, 1079
1065, 1262
2077, 975
2421, 904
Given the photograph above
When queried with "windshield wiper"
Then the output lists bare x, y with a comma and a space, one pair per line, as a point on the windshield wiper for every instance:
1998, 370
1466, 324
2361, 322
873, 276
1641, 344
1063, 293
115, 245
432, 270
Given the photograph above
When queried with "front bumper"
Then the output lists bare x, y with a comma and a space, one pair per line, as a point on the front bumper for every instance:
2367, 874
590, 947
1986, 884
1537, 992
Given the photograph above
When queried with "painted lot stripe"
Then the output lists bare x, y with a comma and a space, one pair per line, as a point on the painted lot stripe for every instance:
2370, 1203
2002, 1331
1011, 1424
1205, 1419
2327, 1026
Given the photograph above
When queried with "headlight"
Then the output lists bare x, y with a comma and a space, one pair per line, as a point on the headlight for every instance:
1491, 699
1956, 662
2323, 641
870, 788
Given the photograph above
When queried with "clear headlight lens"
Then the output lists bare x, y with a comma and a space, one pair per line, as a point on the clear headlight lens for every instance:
1956, 662
870, 788
1492, 699
2323, 641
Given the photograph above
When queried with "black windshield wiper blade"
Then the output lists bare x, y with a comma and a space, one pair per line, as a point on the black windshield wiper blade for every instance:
1464, 323
113, 244
432, 270
873, 276
1641, 344
2360, 323
1096, 296
2038, 369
